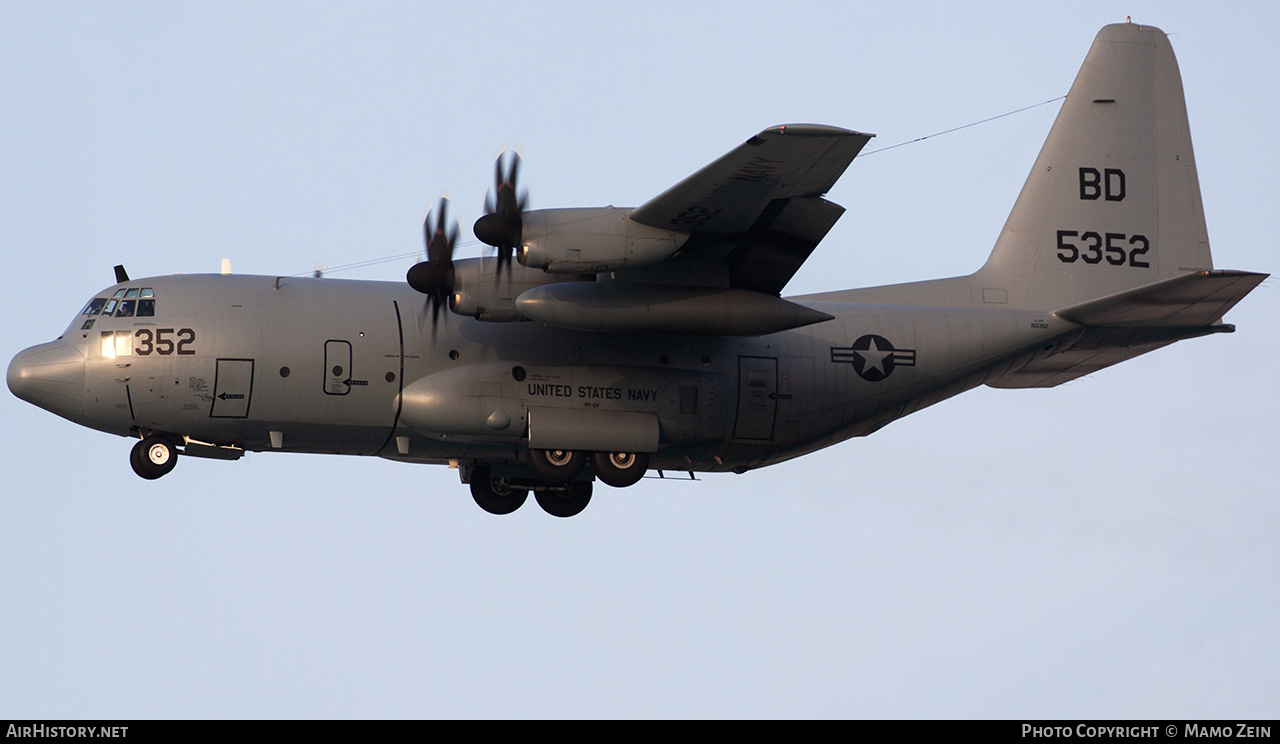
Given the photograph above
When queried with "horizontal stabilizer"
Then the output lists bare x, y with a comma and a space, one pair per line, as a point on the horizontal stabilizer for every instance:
1131, 323
1198, 299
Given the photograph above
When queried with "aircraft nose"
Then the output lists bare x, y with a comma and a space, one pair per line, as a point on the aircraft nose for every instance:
50, 376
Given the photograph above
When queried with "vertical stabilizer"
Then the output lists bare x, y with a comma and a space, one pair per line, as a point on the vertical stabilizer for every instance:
1113, 201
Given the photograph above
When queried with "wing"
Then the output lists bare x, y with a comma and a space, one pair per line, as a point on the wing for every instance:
759, 208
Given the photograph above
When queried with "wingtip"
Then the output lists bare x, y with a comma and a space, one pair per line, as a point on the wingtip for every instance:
812, 130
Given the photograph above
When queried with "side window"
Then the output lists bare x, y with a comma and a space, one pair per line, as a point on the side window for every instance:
117, 344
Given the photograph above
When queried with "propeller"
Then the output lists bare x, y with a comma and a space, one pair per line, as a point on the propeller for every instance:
434, 277
501, 226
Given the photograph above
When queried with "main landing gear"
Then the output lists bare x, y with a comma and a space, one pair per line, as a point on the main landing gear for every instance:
153, 457
566, 501
620, 469
555, 467
499, 495
557, 488
495, 495
617, 469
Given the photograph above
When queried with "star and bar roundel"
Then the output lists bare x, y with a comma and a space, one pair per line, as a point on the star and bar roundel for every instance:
873, 357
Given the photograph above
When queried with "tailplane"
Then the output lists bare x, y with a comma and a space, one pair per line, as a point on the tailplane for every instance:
1125, 325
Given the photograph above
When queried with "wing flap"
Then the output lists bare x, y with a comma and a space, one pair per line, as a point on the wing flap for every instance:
766, 258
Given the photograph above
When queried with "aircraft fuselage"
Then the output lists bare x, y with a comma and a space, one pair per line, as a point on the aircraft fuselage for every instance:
356, 367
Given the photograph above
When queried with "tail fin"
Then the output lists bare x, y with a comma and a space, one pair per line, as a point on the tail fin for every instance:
1113, 202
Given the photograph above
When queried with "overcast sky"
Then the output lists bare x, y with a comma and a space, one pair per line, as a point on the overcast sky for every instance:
1106, 548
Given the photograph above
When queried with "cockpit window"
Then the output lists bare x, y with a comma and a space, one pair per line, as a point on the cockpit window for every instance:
125, 303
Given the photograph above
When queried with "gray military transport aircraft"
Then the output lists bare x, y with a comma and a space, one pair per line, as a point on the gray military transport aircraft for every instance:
624, 340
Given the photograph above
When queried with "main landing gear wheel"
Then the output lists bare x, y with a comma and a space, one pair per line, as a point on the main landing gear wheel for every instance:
495, 495
620, 469
567, 501
153, 457
555, 467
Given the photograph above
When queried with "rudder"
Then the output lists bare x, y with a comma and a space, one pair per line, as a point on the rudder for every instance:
1113, 201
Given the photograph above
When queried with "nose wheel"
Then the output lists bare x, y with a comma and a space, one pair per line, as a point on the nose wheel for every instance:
153, 457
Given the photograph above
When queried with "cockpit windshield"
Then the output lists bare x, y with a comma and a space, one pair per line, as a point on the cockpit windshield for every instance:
125, 303
130, 302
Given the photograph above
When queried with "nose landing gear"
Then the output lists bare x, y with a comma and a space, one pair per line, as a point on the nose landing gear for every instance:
153, 457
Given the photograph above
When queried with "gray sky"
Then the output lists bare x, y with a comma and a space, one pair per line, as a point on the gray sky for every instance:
1106, 548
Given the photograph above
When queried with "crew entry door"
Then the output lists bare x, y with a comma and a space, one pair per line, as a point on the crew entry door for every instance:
232, 387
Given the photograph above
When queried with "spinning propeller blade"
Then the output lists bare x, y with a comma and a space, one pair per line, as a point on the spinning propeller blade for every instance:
434, 277
501, 226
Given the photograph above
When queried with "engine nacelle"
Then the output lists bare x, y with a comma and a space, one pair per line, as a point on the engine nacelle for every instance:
479, 293
592, 240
